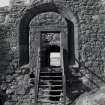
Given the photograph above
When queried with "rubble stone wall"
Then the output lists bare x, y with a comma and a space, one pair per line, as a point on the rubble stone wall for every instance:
91, 41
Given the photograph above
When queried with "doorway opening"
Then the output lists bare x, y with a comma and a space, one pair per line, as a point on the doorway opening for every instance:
50, 57
50, 49
50, 61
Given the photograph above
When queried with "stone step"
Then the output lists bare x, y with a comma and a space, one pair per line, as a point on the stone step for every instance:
50, 85
51, 73
45, 76
75, 92
52, 90
48, 101
51, 81
51, 77
40, 96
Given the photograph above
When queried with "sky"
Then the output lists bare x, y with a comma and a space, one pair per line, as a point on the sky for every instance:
4, 3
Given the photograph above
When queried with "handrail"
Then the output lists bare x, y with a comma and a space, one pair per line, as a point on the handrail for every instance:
37, 75
63, 77
83, 65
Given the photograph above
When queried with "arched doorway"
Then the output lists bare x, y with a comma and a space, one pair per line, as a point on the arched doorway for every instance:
47, 33
23, 28
31, 35
50, 36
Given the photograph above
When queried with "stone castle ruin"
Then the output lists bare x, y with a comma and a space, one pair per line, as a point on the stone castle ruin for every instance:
51, 51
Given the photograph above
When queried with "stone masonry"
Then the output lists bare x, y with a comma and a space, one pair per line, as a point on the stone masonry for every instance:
16, 83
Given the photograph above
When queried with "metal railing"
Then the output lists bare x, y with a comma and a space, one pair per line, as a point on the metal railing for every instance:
63, 77
37, 76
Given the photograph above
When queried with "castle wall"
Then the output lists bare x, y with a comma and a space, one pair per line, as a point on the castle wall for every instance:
91, 41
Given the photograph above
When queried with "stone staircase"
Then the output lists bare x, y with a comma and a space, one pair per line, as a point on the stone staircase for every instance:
50, 88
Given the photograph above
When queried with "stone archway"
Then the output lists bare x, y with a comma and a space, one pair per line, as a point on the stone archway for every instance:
25, 32
34, 11
46, 30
